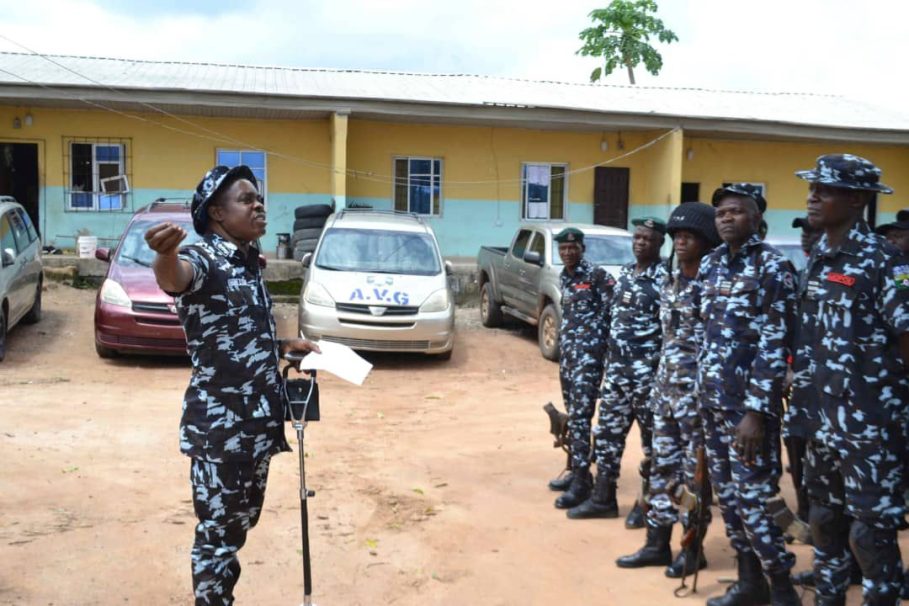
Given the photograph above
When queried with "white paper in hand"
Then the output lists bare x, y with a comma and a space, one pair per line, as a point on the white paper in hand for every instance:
339, 360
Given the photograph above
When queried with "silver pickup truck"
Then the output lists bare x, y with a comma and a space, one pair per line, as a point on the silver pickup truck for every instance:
522, 280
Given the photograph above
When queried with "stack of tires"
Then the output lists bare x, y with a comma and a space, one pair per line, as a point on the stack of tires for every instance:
308, 224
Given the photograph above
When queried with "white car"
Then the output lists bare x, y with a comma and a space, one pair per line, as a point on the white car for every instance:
377, 282
20, 269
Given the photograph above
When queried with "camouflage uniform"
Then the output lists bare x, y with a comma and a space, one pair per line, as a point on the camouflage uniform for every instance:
633, 352
853, 304
748, 307
677, 432
586, 299
233, 409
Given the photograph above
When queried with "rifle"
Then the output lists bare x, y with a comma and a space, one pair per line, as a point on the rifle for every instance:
698, 506
558, 426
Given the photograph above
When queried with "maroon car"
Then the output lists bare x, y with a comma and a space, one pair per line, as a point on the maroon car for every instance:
133, 315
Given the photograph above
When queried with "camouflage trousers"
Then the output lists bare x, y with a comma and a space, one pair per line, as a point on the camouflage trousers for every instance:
580, 387
743, 490
676, 437
625, 398
228, 499
853, 469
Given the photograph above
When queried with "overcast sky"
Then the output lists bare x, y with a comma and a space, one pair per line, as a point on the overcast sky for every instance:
859, 49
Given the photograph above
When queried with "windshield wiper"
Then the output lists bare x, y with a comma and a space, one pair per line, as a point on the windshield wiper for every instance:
331, 267
135, 260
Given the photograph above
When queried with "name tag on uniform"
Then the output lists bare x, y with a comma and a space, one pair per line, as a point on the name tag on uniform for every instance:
841, 279
626, 297
582, 286
725, 287
235, 283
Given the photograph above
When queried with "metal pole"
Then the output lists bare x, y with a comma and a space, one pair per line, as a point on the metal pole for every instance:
304, 516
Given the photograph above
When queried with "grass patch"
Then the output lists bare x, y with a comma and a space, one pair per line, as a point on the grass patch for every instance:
285, 287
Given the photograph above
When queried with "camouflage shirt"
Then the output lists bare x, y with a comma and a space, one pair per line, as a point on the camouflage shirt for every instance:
748, 306
586, 300
683, 331
635, 334
854, 304
233, 409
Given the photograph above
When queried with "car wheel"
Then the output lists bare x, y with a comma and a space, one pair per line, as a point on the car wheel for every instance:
34, 314
2, 333
105, 352
444, 356
490, 311
306, 234
549, 333
312, 210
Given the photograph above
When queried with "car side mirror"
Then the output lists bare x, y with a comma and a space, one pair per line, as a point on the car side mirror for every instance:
449, 268
103, 254
533, 257
306, 260
9, 256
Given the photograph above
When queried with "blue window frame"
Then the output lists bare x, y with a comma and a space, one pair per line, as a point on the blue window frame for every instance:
254, 159
418, 185
93, 168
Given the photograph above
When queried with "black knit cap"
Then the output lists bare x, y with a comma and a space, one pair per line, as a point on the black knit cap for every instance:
696, 217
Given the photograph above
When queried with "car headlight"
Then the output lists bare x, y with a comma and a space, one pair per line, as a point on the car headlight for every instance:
113, 293
316, 294
437, 301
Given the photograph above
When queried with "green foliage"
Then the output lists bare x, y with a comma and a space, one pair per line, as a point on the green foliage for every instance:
620, 36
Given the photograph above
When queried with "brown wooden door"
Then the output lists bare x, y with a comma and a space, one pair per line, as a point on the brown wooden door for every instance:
610, 196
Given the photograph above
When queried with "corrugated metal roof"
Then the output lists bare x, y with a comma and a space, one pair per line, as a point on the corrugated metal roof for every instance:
446, 90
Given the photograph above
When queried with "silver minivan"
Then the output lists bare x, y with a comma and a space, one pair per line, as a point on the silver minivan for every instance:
377, 282
20, 269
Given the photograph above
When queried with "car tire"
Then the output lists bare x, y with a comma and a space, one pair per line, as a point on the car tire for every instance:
34, 314
304, 246
105, 352
309, 223
306, 234
2, 333
444, 356
490, 310
548, 333
312, 210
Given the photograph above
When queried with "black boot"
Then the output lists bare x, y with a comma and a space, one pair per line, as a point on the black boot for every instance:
750, 590
561, 483
782, 593
601, 504
635, 518
655, 552
684, 563
578, 492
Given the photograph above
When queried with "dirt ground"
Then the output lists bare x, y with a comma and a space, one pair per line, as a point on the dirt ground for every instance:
430, 480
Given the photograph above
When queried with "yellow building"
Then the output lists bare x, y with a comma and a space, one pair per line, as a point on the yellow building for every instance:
87, 141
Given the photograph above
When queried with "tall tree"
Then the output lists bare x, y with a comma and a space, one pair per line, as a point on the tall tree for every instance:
620, 36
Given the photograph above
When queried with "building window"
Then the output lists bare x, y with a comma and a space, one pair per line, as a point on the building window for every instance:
96, 174
255, 160
418, 185
543, 191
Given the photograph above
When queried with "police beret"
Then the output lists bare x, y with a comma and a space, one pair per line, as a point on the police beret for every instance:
214, 181
570, 234
847, 171
903, 215
886, 227
746, 190
650, 222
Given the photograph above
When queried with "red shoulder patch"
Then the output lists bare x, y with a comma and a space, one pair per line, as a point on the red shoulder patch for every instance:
582, 286
841, 279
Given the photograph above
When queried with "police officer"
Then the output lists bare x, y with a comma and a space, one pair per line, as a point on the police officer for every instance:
897, 233
233, 409
853, 348
632, 355
676, 418
586, 296
748, 306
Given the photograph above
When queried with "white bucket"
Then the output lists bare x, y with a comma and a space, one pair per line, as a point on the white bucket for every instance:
87, 246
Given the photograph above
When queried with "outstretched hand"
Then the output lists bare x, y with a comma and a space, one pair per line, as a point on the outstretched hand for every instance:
165, 238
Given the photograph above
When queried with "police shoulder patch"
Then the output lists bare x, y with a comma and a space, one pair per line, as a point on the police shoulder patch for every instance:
788, 280
901, 276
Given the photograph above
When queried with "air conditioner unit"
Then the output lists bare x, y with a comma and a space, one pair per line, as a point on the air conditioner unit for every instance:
115, 185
